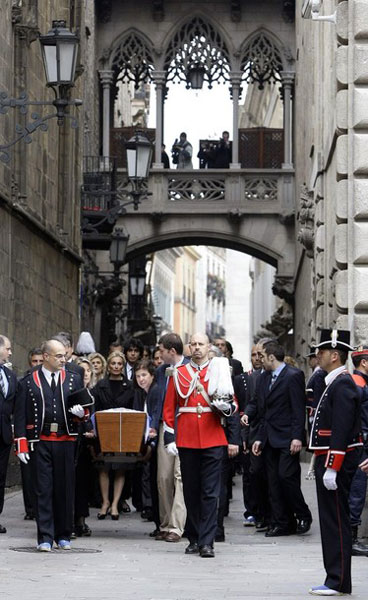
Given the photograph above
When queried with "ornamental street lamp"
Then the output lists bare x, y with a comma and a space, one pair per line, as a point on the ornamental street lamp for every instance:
195, 76
59, 49
59, 54
118, 248
139, 156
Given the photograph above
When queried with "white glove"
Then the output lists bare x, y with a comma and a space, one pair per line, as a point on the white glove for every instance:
329, 479
77, 410
172, 449
221, 405
23, 457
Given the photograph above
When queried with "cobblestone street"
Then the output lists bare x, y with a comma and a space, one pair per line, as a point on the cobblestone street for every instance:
128, 564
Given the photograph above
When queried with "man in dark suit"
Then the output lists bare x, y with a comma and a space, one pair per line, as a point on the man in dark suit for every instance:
133, 351
45, 426
227, 350
280, 393
8, 386
170, 487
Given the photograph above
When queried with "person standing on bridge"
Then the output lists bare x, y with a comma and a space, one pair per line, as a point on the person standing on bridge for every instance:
182, 152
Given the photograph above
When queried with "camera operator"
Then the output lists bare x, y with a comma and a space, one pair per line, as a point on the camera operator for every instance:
206, 155
223, 152
182, 152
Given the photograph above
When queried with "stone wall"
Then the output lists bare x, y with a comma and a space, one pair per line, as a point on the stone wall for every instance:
39, 187
331, 160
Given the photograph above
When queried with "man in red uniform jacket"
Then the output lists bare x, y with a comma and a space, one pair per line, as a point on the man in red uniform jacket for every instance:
200, 439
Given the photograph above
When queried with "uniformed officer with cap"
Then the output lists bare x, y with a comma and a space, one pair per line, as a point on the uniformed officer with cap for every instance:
46, 420
336, 440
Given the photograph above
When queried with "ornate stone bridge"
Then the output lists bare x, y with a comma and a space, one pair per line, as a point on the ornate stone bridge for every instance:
248, 210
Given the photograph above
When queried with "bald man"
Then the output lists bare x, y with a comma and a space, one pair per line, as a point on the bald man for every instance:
200, 442
47, 428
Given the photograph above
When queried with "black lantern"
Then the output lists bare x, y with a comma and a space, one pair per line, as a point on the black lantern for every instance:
195, 76
139, 155
118, 247
137, 285
59, 54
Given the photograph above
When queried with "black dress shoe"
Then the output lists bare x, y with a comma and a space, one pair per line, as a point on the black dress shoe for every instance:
303, 526
261, 525
193, 548
207, 551
82, 530
2, 529
277, 532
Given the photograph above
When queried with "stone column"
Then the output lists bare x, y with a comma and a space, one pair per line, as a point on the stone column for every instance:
235, 80
287, 86
106, 80
159, 79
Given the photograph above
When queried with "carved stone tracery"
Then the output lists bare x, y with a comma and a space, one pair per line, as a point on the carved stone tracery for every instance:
197, 44
306, 220
261, 61
206, 189
280, 323
261, 188
133, 60
283, 287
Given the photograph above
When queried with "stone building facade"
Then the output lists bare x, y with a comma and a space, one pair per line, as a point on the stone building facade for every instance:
331, 169
39, 187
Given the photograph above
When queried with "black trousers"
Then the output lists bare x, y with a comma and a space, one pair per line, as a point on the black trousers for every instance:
84, 479
258, 496
28, 489
201, 475
223, 505
283, 474
4, 459
53, 472
334, 521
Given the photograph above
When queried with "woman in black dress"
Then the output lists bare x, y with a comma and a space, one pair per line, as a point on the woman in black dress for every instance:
114, 391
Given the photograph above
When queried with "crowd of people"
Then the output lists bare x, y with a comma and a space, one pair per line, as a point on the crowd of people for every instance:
208, 419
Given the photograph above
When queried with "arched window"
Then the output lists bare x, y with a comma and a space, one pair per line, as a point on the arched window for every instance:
261, 61
133, 61
197, 45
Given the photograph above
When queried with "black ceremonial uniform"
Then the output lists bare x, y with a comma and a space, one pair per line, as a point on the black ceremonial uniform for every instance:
44, 426
336, 441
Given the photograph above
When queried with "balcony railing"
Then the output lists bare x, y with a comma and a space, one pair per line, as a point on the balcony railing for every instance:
208, 190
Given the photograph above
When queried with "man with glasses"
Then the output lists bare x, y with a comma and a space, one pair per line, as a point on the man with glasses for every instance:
8, 385
47, 428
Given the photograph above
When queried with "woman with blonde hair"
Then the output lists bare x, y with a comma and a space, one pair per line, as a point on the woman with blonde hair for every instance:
114, 391
99, 367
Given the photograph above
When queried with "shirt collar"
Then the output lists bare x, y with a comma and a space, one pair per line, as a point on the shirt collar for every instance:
277, 371
199, 367
331, 376
48, 373
180, 362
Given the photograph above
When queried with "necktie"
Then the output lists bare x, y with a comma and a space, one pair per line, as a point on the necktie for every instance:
53, 384
2, 384
273, 379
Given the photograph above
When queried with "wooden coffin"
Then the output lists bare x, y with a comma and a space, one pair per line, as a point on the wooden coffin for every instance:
121, 430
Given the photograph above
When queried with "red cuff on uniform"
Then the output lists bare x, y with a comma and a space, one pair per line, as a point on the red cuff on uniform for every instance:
21, 445
334, 459
86, 414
